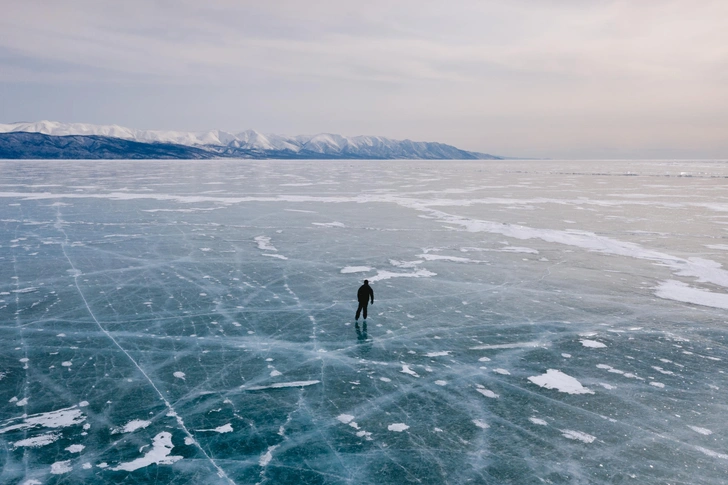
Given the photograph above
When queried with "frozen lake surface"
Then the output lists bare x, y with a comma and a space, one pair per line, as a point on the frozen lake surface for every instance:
193, 322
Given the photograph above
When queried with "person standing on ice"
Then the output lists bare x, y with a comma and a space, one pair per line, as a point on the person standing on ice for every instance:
363, 295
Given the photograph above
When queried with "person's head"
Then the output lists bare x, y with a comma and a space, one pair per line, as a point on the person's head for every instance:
366, 282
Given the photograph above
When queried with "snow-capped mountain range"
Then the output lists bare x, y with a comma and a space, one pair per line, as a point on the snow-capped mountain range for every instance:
252, 144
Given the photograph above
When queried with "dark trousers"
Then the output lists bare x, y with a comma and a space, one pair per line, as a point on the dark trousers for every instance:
362, 306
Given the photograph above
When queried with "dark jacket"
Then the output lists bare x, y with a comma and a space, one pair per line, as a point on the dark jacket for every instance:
365, 292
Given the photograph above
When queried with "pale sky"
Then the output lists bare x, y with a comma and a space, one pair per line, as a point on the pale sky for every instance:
532, 78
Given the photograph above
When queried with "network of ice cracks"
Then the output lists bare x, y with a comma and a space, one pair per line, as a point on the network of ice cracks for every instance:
193, 322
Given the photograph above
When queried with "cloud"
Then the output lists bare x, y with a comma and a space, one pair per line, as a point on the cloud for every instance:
343, 39
486, 66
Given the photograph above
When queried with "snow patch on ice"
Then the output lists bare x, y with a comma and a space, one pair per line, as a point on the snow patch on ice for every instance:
25, 290
487, 393
703, 431
555, 379
397, 427
679, 291
611, 369
159, 454
406, 370
577, 435
594, 344
516, 249
277, 256
355, 269
515, 345
280, 385
704, 270
225, 428
328, 224
132, 426
60, 418
345, 418
37, 441
266, 457
711, 453
264, 243
405, 264
438, 354
481, 424
385, 275
452, 259
61, 467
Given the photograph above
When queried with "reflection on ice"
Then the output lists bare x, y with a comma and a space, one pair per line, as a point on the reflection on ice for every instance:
535, 322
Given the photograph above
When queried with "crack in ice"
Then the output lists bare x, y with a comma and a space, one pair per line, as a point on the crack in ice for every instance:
172, 412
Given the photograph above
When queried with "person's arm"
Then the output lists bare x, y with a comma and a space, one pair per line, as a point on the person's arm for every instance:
371, 293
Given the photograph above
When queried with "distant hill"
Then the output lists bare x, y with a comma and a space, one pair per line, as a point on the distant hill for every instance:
37, 145
78, 140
